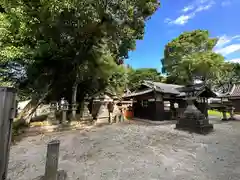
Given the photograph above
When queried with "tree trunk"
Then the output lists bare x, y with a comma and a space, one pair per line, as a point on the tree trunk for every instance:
29, 116
74, 99
48, 90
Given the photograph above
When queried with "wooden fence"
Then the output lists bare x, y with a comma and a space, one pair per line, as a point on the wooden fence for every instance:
7, 114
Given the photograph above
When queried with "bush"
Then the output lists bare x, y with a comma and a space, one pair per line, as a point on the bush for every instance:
17, 127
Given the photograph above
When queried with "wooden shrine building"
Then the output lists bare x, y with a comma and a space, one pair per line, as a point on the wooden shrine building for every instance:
233, 96
159, 101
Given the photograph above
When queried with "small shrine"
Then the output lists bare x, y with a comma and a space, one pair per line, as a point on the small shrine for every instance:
193, 119
103, 106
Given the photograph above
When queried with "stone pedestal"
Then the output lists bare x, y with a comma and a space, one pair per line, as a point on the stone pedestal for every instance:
224, 112
231, 112
64, 111
64, 117
193, 120
74, 111
52, 114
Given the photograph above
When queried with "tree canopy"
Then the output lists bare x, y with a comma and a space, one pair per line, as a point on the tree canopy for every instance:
190, 56
137, 76
60, 45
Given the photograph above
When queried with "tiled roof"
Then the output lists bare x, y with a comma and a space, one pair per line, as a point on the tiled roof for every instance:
235, 92
138, 93
168, 89
165, 88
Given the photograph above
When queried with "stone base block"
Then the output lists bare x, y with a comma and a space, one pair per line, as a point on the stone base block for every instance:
231, 119
62, 175
201, 129
224, 119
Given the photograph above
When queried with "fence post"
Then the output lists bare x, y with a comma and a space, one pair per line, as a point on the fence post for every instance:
51, 168
7, 114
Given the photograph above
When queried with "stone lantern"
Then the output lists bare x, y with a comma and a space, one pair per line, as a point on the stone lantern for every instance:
231, 112
193, 119
85, 114
64, 108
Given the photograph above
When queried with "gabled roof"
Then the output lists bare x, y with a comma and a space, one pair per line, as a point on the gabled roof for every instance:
233, 92
164, 88
173, 89
146, 91
157, 87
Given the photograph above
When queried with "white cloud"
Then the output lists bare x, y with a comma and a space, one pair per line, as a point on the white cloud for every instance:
204, 8
227, 45
237, 60
224, 40
226, 3
181, 20
167, 20
228, 49
187, 8
190, 11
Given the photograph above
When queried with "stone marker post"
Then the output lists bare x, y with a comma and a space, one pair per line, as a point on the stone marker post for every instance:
7, 114
52, 114
51, 168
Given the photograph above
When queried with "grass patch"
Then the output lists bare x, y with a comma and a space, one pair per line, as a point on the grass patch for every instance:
38, 124
217, 113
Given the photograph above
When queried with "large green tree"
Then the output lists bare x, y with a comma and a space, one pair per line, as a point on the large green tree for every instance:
137, 76
190, 56
61, 45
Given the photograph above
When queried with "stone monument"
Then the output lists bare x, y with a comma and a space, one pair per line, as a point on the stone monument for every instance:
193, 119
52, 114
103, 104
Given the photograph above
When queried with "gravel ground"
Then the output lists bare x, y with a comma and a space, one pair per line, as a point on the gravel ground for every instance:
134, 151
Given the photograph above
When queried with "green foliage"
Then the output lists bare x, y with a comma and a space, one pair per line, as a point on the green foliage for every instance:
49, 44
118, 80
190, 56
135, 77
18, 128
230, 74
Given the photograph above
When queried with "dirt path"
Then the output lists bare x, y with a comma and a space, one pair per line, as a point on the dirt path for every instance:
134, 151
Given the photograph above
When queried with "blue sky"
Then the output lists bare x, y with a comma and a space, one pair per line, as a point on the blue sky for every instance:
220, 17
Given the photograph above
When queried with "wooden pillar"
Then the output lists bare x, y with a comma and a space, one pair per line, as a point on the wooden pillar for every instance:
159, 108
7, 114
205, 107
172, 109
